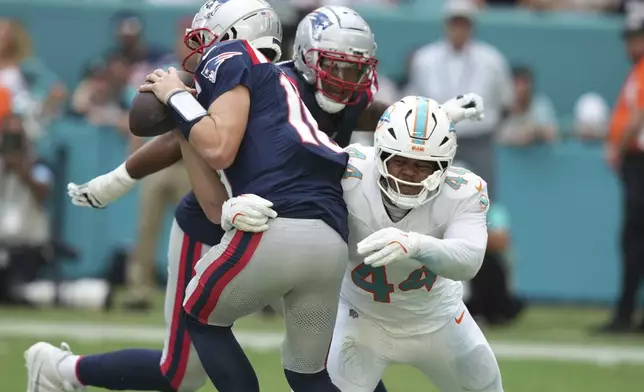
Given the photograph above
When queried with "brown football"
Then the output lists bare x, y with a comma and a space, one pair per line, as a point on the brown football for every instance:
149, 117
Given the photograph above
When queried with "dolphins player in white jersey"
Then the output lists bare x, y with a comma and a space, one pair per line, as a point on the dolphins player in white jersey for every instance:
417, 229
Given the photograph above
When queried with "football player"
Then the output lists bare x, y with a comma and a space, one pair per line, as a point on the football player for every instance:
248, 121
417, 229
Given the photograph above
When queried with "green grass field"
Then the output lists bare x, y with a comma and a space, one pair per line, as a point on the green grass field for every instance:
549, 349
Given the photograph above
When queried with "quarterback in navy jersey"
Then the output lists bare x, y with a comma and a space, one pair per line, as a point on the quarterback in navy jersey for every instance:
249, 123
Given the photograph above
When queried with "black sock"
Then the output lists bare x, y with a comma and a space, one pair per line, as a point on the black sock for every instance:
222, 357
316, 382
134, 369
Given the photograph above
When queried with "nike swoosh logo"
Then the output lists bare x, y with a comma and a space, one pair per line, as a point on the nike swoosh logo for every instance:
460, 318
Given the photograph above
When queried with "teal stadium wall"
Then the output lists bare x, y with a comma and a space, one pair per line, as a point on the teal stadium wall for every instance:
563, 201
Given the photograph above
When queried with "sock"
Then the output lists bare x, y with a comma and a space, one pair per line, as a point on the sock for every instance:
380, 387
133, 369
222, 357
316, 382
67, 370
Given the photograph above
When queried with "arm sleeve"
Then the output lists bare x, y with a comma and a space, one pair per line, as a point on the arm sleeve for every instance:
459, 255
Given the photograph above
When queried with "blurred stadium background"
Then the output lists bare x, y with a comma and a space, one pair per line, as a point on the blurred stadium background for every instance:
66, 70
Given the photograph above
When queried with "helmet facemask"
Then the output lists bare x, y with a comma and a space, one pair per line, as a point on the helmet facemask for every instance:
408, 194
341, 77
198, 41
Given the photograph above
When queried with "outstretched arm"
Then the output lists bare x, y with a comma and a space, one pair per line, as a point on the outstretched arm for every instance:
154, 156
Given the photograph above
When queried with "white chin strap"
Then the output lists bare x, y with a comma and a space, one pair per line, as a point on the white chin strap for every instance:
406, 202
430, 189
327, 104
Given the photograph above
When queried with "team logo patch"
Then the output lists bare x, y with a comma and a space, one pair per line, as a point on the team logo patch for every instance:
386, 116
211, 7
484, 202
211, 67
320, 21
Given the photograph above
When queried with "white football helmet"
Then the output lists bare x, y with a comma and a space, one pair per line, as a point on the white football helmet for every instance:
334, 49
221, 20
416, 128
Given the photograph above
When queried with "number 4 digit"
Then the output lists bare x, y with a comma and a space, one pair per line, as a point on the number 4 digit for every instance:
419, 278
374, 281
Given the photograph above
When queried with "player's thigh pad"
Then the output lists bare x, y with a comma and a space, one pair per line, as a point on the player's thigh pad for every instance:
355, 361
315, 271
247, 271
466, 351
179, 362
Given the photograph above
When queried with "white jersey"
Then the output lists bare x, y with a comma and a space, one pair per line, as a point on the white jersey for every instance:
405, 297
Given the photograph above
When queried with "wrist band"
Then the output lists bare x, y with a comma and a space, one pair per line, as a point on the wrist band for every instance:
186, 111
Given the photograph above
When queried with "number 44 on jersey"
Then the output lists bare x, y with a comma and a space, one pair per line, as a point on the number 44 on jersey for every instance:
374, 281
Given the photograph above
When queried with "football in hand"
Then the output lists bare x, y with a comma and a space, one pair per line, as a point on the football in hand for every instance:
149, 116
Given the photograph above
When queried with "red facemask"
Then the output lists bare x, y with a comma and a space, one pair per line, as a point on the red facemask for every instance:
198, 40
341, 77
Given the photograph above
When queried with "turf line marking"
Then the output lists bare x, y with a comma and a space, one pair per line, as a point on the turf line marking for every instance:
270, 341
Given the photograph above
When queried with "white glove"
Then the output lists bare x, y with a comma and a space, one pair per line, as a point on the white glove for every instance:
390, 244
102, 190
468, 106
247, 213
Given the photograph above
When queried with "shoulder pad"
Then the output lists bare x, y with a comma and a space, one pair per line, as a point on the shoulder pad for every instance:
360, 160
462, 184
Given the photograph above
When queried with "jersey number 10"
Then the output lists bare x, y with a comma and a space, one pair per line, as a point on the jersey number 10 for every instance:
302, 120
374, 281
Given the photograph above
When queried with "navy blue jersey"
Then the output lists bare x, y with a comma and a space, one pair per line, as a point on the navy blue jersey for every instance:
339, 125
193, 221
282, 157
189, 214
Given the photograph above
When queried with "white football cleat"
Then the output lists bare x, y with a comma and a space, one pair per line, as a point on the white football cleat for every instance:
42, 368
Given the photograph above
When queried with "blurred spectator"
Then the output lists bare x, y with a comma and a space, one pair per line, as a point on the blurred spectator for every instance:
25, 182
573, 5
459, 65
491, 296
591, 117
159, 192
35, 92
625, 154
500, 2
5, 101
532, 117
131, 45
99, 98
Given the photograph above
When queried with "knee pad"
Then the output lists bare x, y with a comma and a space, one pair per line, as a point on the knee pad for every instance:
478, 370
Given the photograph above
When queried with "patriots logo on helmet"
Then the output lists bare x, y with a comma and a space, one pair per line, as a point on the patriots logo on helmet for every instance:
212, 6
320, 20
213, 3
212, 66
